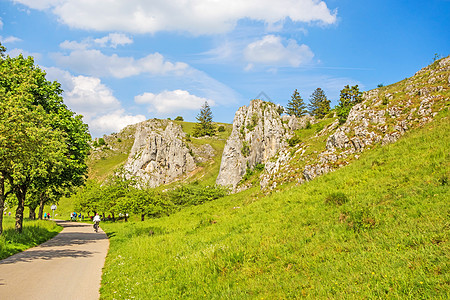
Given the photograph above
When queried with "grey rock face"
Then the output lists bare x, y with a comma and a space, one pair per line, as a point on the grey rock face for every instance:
159, 155
258, 133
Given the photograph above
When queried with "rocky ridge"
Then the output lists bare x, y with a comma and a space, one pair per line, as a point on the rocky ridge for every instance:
383, 117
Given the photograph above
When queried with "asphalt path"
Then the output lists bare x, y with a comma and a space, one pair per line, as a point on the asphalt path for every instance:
69, 266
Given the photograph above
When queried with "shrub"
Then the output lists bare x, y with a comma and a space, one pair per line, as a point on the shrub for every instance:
245, 149
179, 118
101, 142
308, 125
294, 141
221, 128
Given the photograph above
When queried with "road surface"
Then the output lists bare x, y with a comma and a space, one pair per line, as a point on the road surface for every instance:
69, 266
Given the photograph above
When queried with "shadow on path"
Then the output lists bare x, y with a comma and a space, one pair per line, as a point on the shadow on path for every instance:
29, 256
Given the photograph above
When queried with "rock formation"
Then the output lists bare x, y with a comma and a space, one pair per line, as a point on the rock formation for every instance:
383, 117
159, 155
259, 132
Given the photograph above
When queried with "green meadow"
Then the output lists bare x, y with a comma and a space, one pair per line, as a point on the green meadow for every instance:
377, 228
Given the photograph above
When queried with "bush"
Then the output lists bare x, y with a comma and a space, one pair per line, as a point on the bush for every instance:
308, 125
221, 128
101, 142
179, 118
245, 149
295, 140
195, 194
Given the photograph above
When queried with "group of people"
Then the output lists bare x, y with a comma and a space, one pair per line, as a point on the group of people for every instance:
74, 215
47, 216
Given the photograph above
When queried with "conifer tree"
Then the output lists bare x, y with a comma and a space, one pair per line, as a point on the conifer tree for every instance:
319, 104
348, 98
205, 124
296, 106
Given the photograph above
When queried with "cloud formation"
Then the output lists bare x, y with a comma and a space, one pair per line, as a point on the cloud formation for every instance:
89, 97
111, 40
172, 101
93, 62
271, 51
194, 16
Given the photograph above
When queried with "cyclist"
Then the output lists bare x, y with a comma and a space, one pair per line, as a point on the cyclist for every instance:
96, 222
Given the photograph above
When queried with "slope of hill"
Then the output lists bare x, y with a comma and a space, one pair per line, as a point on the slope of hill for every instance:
377, 228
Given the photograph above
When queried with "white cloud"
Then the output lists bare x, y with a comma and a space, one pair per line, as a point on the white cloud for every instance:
95, 63
271, 51
15, 52
172, 101
89, 97
113, 122
195, 16
1, 24
9, 39
111, 40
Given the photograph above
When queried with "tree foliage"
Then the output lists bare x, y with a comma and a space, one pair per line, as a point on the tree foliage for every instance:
296, 106
204, 125
319, 105
348, 98
43, 145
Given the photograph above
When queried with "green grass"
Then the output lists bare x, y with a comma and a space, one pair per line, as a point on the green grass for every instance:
388, 239
100, 169
34, 233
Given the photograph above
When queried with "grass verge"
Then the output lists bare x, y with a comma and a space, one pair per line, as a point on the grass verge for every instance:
33, 234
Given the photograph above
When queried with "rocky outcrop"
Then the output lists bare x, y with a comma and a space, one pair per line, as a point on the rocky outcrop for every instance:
384, 116
259, 132
159, 155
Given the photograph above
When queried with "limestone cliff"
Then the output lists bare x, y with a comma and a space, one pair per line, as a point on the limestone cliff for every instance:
259, 132
159, 155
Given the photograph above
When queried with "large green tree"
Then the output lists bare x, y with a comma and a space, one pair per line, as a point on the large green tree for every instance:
348, 98
296, 106
204, 125
41, 140
319, 105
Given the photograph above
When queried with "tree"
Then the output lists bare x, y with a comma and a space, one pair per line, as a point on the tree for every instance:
319, 104
348, 98
296, 106
205, 125
41, 140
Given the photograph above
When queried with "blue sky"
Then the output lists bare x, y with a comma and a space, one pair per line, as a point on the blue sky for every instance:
124, 61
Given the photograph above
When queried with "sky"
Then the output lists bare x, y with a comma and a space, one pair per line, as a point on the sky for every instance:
124, 61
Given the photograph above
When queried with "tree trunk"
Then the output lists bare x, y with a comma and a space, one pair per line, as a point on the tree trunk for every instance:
21, 192
2, 201
142, 217
32, 214
113, 217
41, 209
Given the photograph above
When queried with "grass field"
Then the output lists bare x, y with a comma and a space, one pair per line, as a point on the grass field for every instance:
34, 233
378, 228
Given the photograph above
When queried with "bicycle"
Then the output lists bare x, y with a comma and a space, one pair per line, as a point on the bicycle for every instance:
96, 226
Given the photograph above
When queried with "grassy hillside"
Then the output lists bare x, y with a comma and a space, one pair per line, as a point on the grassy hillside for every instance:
377, 228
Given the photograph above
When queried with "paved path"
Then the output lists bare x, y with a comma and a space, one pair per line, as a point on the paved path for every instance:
69, 266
